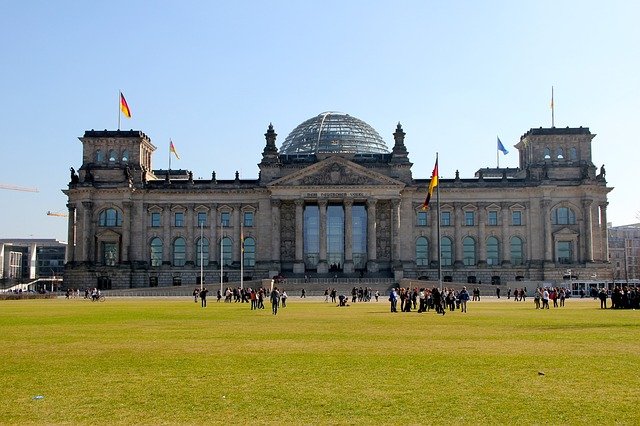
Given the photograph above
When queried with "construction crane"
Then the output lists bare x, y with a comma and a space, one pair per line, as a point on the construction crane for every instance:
58, 214
17, 188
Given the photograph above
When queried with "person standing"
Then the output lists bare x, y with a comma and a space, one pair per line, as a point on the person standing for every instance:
545, 298
393, 298
275, 300
195, 295
464, 298
283, 297
498, 292
508, 293
602, 295
203, 297
303, 294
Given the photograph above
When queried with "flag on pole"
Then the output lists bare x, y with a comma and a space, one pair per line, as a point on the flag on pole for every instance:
124, 107
173, 149
432, 185
501, 147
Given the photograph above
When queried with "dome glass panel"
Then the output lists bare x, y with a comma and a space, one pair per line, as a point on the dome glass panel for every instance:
333, 133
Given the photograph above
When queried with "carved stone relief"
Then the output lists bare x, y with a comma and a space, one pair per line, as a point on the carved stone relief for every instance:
336, 174
287, 231
383, 230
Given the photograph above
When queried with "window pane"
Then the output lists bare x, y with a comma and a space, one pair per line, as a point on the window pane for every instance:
469, 251
249, 252
516, 218
202, 252
516, 251
179, 219
155, 219
446, 252
493, 251
422, 218
445, 218
156, 252
311, 224
202, 218
422, 252
225, 219
227, 258
335, 236
359, 236
493, 218
469, 218
248, 218
179, 252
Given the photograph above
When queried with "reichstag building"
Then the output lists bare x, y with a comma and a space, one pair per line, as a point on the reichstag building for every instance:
335, 200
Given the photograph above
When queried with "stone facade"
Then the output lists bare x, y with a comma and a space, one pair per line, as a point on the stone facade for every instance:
132, 226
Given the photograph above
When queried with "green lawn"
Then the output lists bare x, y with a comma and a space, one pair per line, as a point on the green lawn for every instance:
168, 361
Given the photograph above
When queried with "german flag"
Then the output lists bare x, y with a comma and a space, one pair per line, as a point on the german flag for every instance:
432, 185
124, 107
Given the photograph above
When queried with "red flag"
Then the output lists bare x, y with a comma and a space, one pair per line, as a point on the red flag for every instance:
124, 107
432, 185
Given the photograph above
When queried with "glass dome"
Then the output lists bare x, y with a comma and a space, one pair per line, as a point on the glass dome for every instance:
333, 133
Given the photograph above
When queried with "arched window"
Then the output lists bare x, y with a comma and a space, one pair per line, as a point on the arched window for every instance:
125, 156
110, 217
112, 156
202, 252
469, 251
563, 216
517, 251
179, 252
227, 258
560, 154
493, 251
573, 154
156, 252
422, 252
446, 251
547, 153
99, 156
249, 252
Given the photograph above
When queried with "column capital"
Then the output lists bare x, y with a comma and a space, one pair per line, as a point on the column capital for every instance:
348, 202
371, 202
276, 203
299, 202
322, 203
71, 206
587, 203
87, 205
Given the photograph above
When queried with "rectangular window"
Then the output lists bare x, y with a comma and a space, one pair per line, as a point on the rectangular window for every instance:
563, 251
248, 219
422, 218
155, 219
179, 219
202, 218
445, 218
516, 218
469, 218
225, 219
492, 218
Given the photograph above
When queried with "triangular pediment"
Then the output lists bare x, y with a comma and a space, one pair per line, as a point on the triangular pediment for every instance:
336, 171
566, 232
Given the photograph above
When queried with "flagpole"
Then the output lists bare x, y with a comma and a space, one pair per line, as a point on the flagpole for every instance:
438, 228
169, 155
201, 255
119, 112
221, 258
241, 252
553, 120
497, 156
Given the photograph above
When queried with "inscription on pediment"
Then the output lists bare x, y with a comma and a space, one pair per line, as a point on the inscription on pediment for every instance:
337, 174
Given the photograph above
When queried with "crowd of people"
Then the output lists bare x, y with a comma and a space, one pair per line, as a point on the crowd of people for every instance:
425, 299
622, 297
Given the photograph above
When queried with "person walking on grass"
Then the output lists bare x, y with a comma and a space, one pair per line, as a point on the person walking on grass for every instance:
203, 297
275, 300
464, 298
393, 299
545, 298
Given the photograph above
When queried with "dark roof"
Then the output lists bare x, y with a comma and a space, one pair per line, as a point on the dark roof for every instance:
114, 134
548, 131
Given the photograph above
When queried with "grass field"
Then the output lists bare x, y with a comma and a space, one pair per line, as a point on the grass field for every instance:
169, 361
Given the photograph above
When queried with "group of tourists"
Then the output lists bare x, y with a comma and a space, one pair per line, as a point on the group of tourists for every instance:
542, 296
519, 294
425, 299
621, 297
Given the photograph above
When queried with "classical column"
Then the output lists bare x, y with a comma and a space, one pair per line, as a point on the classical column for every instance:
167, 244
189, 222
298, 266
348, 236
127, 222
275, 231
86, 235
432, 216
395, 231
235, 222
372, 265
603, 232
482, 239
505, 244
71, 234
545, 225
214, 231
588, 229
323, 267
457, 233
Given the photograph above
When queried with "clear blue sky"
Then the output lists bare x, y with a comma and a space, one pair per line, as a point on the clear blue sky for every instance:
213, 75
